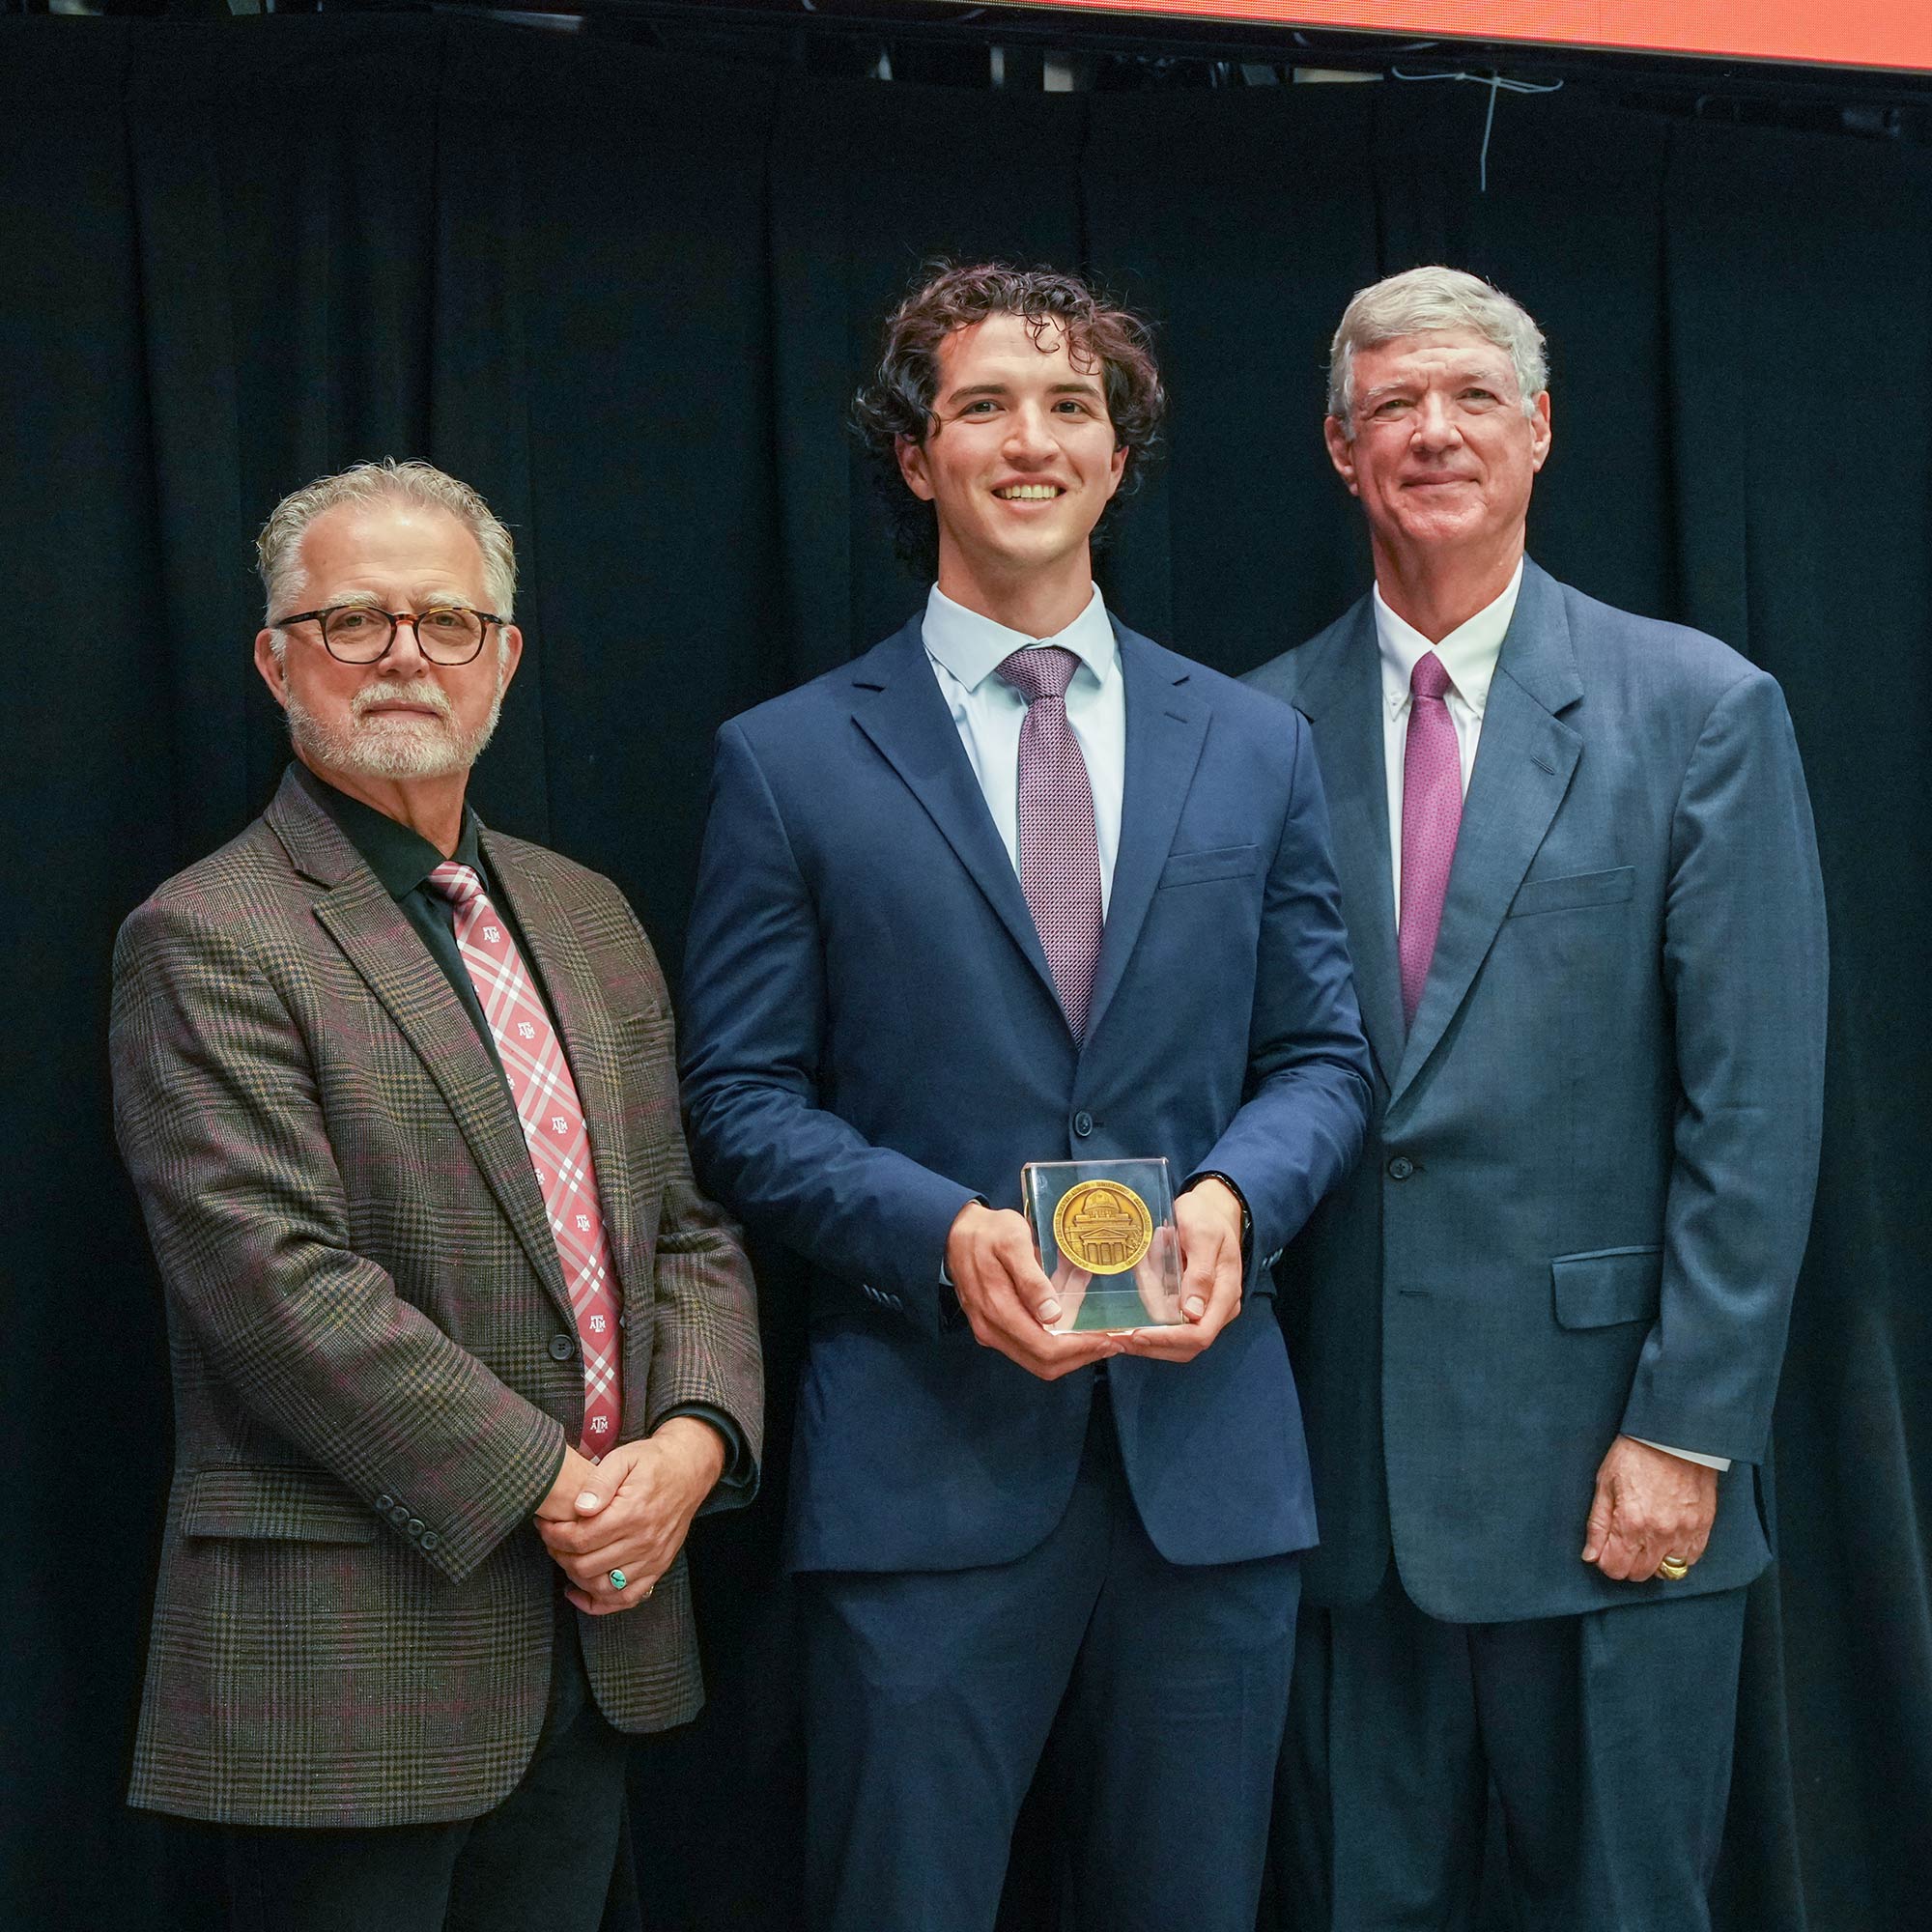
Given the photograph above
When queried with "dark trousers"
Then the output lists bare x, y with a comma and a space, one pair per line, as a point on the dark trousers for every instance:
1607, 1738
931, 1695
542, 1859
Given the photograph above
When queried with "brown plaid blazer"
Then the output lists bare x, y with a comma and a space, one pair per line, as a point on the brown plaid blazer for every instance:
354, 1620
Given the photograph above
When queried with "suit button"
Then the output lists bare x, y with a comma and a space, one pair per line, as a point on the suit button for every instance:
385, 1504
415, 1525
430, 1539
1083, 1123
1401, 1168
399, 1515
562, 1347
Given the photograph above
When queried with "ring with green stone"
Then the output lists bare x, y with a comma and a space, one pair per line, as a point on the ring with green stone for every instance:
618, 1580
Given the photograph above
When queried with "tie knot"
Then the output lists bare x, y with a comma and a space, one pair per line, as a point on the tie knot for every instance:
1429, 679
1039, 670
458, 884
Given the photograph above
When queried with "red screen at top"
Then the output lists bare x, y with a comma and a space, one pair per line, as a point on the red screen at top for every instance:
1851, 33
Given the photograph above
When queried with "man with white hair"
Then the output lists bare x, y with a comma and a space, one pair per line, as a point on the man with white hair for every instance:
1538, 1332
459, 1350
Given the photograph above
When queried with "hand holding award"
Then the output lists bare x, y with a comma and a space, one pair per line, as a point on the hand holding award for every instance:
1107, 1238
1208, 1224
1009, 1303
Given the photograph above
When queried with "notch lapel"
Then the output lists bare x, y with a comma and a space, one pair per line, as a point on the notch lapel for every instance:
899, 708
1167, 724
385, 951
1341, 694
1523, 766
576, 1000
385, 948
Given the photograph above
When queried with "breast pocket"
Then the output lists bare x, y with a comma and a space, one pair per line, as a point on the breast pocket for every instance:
1199, 868
1574, 891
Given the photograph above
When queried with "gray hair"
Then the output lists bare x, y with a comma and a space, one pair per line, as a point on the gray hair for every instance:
1420, 300
278, 548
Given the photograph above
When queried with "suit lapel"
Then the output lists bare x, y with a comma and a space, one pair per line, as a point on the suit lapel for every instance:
900, 709
385, 950
1524, 767
576, 1000
1167, 724
1341, 693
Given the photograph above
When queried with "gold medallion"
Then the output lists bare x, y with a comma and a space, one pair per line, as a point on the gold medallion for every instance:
1102, 1227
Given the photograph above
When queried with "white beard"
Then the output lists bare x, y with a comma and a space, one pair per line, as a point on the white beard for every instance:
393, 746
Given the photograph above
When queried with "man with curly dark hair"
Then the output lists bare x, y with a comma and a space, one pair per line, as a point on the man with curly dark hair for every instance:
1019, 885
895, 406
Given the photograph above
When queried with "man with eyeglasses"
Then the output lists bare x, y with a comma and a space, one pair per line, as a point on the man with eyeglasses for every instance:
458, 1348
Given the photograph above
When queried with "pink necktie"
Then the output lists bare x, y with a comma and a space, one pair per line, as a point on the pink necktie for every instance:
554, 1130
1432, 813
1059, 855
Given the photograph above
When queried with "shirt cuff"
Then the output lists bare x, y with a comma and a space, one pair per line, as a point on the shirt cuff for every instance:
740, 1481
1686, 1455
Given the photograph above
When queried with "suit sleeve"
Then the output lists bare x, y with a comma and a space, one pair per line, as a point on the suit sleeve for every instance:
1302, 1127
1745, 968
218, 1119
706, 1358
755, 1015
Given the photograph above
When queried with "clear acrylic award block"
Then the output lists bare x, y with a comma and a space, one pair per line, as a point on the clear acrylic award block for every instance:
1107, 1242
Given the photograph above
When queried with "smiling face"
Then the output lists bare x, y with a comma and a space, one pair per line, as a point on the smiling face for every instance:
1442, 456
1021, 460
402, 718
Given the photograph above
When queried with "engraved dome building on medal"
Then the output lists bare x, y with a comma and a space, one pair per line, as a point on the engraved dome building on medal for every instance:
1102, 1227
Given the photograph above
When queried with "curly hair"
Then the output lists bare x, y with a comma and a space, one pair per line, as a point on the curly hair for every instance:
897, 402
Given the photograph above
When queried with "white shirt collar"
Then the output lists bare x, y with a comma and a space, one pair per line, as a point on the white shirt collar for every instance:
971, 647
1468, 653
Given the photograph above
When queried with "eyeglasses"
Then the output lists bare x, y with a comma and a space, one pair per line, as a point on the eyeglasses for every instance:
358, 634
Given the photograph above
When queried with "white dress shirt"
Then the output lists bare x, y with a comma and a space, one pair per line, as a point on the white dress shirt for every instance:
1469, 654
965, 650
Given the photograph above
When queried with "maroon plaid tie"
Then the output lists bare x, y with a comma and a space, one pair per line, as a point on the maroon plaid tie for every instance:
1432, 815
1059, 855
554, 1131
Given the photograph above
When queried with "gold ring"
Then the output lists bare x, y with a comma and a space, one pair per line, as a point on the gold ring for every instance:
1673, 1566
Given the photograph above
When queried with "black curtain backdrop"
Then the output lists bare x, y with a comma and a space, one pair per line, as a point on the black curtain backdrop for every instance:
628, 296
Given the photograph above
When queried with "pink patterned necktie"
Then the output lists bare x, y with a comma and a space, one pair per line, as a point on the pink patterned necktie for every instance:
554, 1131
1060, 855
1432, 815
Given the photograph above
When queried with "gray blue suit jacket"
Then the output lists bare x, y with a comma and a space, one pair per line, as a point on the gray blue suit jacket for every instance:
1591, 1162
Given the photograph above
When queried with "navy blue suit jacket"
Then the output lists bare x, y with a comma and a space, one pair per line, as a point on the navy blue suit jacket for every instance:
872, 1039
1591, 1164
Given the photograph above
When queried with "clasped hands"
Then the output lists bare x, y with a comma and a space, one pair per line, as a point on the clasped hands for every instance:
1648, 1505
629, 1511
1010, 1305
